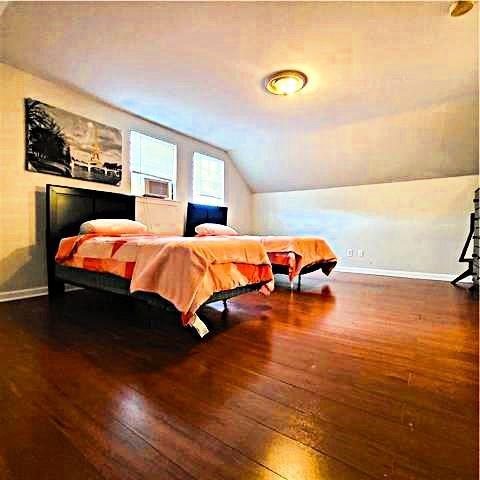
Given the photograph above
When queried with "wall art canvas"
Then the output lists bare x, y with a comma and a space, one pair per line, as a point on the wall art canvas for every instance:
62, 143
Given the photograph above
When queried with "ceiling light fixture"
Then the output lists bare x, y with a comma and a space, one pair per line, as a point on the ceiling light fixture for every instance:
285, 82
457, 9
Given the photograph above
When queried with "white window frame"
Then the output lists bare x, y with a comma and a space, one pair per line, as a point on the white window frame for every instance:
203, 198
134, 171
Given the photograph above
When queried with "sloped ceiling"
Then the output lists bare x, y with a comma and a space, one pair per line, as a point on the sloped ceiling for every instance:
392, 92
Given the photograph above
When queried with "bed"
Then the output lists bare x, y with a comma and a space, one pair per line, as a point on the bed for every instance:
286, 253
67, 209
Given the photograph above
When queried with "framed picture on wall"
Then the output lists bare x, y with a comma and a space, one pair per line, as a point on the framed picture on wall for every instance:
62, 143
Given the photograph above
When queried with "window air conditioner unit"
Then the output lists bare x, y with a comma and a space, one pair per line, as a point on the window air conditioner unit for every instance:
158, 188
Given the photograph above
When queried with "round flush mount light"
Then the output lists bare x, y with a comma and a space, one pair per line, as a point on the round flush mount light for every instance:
457, 9
285, 82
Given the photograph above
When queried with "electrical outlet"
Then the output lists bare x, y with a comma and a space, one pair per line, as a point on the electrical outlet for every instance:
360, 252
349, 252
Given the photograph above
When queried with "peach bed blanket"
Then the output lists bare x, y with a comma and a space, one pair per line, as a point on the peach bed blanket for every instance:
297, 252
184, 271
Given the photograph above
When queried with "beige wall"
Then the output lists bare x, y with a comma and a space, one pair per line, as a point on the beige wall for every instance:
415, 226
22, 199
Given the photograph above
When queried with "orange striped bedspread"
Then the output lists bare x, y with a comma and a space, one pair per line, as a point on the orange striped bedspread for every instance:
297, 252
184, 271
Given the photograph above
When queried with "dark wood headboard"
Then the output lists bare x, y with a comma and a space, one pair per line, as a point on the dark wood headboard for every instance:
198, 214
68, 208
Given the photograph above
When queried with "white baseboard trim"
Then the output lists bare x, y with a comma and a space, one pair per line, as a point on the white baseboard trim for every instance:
30, 293
443, 277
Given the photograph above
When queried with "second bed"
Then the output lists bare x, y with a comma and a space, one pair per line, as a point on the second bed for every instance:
289, 255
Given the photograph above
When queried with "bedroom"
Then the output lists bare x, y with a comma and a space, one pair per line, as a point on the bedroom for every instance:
352, 197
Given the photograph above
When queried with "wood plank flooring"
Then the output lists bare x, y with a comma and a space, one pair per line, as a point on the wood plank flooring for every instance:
355, 377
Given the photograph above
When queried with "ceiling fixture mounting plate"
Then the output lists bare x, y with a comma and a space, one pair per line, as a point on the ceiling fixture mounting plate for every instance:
457, 9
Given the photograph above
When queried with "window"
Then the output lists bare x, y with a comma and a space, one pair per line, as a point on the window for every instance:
151, 158
208, 180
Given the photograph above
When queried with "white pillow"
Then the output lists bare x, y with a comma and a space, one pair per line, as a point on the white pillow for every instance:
112, 226
206, 229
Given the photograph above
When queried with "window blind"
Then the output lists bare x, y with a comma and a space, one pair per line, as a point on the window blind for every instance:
208, 180
151, 158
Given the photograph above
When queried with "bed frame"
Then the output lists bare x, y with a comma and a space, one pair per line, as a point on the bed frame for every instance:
198, 214
67, 209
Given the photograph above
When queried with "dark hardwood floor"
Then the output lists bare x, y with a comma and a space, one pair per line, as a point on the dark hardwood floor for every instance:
355, 377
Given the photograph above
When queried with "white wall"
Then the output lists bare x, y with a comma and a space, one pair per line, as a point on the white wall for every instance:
415, 226
22, 210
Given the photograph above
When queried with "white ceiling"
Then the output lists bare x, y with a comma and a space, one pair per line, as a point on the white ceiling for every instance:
388, 82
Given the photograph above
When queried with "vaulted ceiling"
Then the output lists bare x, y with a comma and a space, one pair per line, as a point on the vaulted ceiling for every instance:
392, 91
